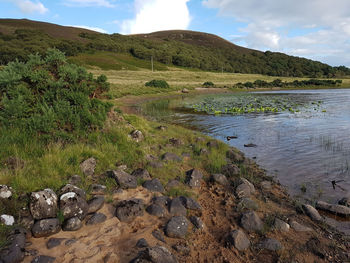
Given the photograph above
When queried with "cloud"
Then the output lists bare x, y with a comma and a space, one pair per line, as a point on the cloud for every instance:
88, 3
321, 28
157, 15
97, 29
30, 7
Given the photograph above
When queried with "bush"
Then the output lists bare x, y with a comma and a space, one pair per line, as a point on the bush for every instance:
157, 83
208, 84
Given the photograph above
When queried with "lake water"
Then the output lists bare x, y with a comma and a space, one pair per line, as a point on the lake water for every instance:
305, 150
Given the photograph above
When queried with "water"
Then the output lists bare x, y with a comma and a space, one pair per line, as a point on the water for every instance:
305, 150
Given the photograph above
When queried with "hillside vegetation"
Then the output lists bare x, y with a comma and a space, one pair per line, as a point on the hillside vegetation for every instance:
19, 38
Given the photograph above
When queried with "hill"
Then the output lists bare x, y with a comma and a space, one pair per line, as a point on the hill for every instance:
188, 49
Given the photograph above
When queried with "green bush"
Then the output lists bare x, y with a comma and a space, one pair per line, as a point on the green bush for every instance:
157, 83
208, 84
50, 98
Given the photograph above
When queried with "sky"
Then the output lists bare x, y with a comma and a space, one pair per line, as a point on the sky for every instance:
315, 29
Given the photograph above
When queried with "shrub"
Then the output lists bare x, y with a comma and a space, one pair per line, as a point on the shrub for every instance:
157, 83
208, 84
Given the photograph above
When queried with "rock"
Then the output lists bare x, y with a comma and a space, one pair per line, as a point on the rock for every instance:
339, 210
250, 221
72, 224
54, 242
98, 189
43, 259
122, 167
123, 179
72, 188
75, 180
158, 235
182, 250
191, 204
156, 210
244, 188
128, 210
230, 170
157, 254
213, 144
172, 157
43, 204
141, 173
176, 142
88, 166
161, 200
96, 218
14, 163
95, 204
172, 183
137, 135
155, 164
235, 156
14, 253
299, 227
176, 208
142, 243
247, 204
197, 222
46, 227
185, 90
203, 151
7, 220
238, 239
250, 145
5, 191
194, 177
312, 212
154, 185
281, 226
72, 205
266, 185
220, 179
177, 227
271, 244
344, 201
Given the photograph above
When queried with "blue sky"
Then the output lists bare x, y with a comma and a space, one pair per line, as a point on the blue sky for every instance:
316, 29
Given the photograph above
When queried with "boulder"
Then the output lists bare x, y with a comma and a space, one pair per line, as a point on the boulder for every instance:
43, 204
5, 192
95, 204
230, 170
98, 189
157, 254
7, 220
137, 135
72, 224
250, 221
220, 179
128, 210
72, 205
141, 173
96, 218
190, 203
172, 157
88, 166
14, 253
177, 227
123, 179
270, 244
161, 200
197, 222
312, 212
280, 225
344, 201
244, 188
235, 156
176, 207
156, 210
339, 210
72, 188
238, 239
46, 227
194, 177
299, 227
153, 185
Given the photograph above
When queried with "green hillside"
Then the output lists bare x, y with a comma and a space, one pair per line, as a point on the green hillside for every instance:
188, 49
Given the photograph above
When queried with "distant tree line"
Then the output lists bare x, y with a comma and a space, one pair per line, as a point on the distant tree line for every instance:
280, 84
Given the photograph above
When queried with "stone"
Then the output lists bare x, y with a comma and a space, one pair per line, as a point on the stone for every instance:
155, 164
244, 188
172, 157
88, 166
176, 142
235, 156
172, 183
43, 204
123, 179
270, 244
250, 145
157, 254
266, 185
177, 227
176, 207
213, 144
142, 243
75, 180
230, 170
158, 235
194, 177
280, 225
72, 224
5, 191
184, 90
153, 185
46, 227
128, 210
72, 188
43, 259
96, 218
156, 210
141, 173
250, 221
344, 201
15, 252
190, 203
98, 189
54, 242
72, 205
247, 204
197, 222
203, 151
220, 179
238, 239
182, 250
312, 212
299, 227
7, 220
137, 135
95, 204
339, 210
161, 200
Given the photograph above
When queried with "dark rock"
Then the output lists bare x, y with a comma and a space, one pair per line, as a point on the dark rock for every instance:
14, 253
197, 222
161, 200
141, 173
194, 177
271, 244
43, 259
244, 188
71, 205
95, 204
339, 210
176, 208
235, 156
96, 218
220, 179
72, 224
230, 170
172, 183
191, 204
157, 254
46, 227
158, 235
247, 204
70, 242
312, 212
344, 201
88, 166
123, 179
154, 185
142, 243
238, 239
250, 221
213, 144
72, 188
156, 210
43, 204
250, 145
137, 135
299, 227
182, 250
176, 142
128, 210
171, 157
281, 226
75, 179
177, 227
54, 242
5, 191
98, 189
14, 163
156, 164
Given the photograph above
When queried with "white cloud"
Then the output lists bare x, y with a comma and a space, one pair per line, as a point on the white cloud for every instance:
321, 28
88, 3
97, 29
30, 7
157, 15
